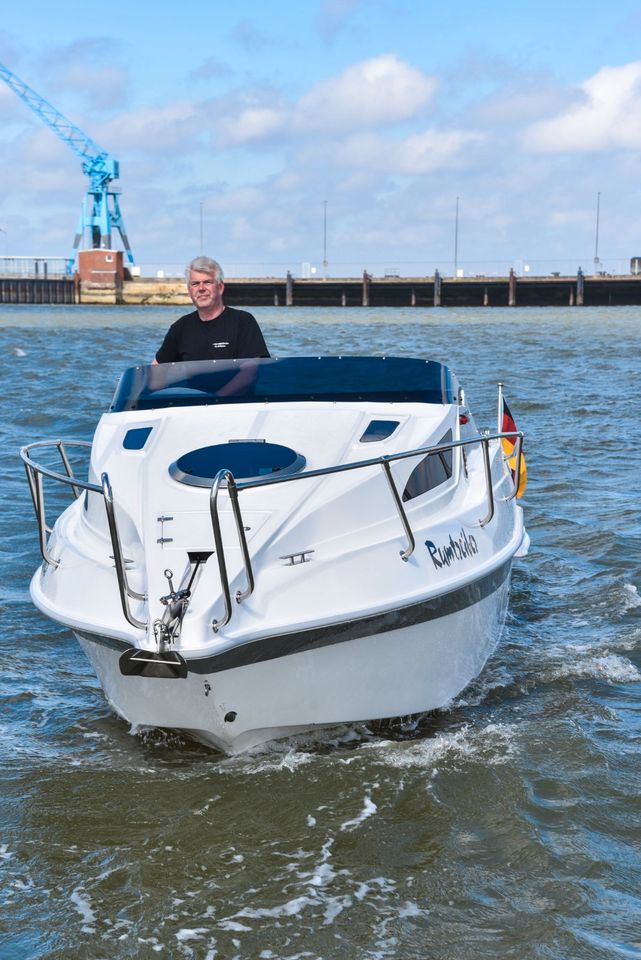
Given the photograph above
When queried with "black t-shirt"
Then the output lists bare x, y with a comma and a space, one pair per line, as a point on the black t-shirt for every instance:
232, 335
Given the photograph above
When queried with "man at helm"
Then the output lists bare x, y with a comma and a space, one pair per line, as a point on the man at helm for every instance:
212, 331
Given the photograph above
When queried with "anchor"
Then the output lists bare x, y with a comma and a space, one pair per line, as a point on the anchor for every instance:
165, 662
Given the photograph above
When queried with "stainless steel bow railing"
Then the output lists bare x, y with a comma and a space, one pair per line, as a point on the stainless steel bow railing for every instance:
35, 475
224, 479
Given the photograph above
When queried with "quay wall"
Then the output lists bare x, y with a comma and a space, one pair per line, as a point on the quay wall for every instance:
366, 291
38, 290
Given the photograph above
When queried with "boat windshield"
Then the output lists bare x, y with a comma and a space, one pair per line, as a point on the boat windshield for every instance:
358, 379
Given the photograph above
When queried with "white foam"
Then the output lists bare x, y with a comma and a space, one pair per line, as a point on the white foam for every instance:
233, 925
293, 752
271, 759
610, 667
632, 599
411, 910
493, 744
369, 809
205, 808
82, 903
289, 909
195, 933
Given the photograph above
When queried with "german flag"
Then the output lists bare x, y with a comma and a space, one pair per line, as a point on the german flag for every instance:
509, 443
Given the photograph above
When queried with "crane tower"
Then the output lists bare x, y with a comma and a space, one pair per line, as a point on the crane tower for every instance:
100, 210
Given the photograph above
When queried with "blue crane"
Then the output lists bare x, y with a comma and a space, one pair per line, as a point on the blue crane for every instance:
100, 211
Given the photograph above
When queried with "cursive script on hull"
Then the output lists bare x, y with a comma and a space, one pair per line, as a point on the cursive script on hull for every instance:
464, 546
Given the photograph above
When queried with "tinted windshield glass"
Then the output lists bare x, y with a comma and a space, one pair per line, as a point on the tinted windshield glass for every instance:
388, 379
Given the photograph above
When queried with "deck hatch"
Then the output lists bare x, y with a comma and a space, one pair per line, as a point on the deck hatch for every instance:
246, 459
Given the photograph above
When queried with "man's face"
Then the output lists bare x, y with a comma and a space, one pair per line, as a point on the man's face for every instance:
205, 292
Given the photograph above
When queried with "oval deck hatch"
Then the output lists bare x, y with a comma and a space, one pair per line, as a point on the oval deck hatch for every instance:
246, 459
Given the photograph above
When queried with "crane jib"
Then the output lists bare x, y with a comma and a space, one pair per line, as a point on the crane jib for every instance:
100, 210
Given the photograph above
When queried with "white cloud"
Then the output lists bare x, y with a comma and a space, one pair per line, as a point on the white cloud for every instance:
421, 153
253, 123
608, 116
179, 125
433, 150
381, 91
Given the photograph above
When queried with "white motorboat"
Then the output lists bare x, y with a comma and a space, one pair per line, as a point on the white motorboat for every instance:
270, 546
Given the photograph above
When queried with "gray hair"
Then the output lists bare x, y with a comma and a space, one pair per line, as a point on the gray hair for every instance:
205, 265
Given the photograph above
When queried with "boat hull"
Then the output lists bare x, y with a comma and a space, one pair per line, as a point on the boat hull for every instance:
403, 662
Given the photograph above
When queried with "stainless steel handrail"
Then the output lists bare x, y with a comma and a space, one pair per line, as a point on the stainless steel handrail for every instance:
227, 477
35, 474
233, 487
376, 461
487, 466
121, 573
409, 550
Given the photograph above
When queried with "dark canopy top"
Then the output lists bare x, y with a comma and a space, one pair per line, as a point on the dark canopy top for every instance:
358, 379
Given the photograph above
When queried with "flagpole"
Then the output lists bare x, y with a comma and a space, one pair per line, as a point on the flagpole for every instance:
499, 418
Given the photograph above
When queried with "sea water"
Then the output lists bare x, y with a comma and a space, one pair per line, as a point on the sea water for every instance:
505, 826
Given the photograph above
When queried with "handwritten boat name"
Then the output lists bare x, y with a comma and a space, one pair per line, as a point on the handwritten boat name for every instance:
458, 549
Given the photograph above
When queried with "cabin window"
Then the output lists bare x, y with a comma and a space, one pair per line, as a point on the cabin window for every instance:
379, 430
431, 472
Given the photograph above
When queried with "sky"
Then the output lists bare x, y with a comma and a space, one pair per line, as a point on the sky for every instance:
388, 135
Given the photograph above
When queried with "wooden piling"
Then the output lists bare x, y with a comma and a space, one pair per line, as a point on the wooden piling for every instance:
289, 290
366, 282
511, 295
437, 289
580, 279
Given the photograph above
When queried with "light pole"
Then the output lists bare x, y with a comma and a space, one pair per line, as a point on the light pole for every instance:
325, 239
456, 239
596, 242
